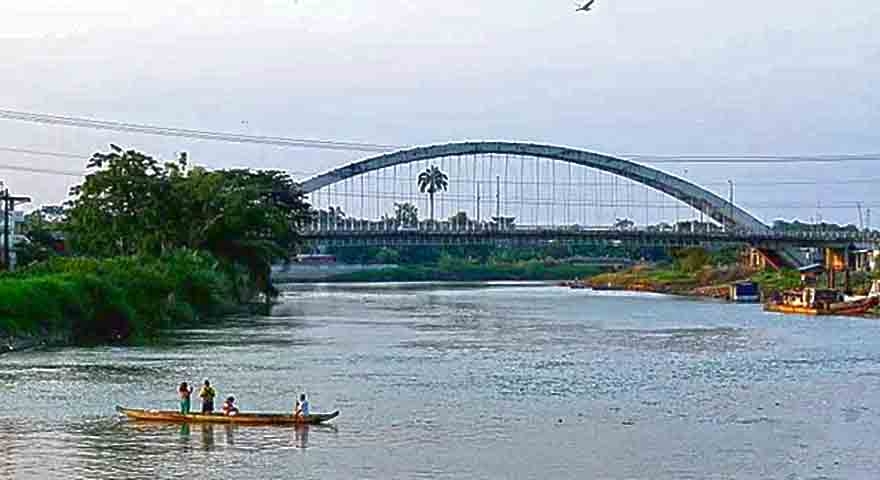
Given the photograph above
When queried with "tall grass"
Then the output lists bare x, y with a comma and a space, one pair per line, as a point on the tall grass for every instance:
129, 298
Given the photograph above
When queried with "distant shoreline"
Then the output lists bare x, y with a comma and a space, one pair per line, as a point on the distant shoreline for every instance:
530, 271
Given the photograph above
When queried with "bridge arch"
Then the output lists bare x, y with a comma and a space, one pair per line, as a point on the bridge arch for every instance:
697, 197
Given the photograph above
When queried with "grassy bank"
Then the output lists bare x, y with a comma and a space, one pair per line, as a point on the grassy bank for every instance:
464, 271
706, 280
776, 281
124, 298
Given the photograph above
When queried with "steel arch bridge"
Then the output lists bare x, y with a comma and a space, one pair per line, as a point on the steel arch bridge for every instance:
717, 208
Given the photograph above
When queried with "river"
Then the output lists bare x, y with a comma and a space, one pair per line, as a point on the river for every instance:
467, 381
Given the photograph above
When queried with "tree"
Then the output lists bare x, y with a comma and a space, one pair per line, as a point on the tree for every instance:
432, 180
624, 224
460, 219
119, 209
41, 230
691, 259
331, 216
133, 204
387, 256
406, 214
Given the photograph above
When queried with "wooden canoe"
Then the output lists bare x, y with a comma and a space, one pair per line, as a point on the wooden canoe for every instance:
238, 419
852, 307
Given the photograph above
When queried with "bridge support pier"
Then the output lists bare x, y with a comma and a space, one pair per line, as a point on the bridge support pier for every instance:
837, 262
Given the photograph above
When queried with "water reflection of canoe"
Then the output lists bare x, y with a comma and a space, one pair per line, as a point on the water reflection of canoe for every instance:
239, 419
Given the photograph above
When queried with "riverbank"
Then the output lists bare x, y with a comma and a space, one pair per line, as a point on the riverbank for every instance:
708, 282
468, 272
123, 299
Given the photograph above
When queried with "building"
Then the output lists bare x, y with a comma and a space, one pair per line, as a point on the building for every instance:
865, 260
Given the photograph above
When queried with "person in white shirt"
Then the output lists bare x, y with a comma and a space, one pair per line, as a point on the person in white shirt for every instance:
302, 406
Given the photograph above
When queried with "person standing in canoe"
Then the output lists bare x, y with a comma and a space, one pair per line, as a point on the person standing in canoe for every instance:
185, 392
207, 394
302, 407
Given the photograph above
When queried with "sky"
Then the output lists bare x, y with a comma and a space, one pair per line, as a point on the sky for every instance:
630, 77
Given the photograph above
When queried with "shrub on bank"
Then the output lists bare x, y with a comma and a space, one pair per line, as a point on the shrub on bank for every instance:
465, 271
776, 281
112, 299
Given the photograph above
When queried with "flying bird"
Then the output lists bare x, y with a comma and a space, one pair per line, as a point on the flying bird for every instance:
586, 7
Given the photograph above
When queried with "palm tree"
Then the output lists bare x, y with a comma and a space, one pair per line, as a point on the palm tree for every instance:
432, 180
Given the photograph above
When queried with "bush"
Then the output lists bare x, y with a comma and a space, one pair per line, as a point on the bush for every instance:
118, 298
773, 281
692, 259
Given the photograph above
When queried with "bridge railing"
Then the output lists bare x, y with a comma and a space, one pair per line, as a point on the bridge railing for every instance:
349, 227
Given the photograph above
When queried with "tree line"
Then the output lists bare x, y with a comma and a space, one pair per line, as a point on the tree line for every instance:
133, 204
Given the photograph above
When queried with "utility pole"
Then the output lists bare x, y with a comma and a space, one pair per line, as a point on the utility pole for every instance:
9, 203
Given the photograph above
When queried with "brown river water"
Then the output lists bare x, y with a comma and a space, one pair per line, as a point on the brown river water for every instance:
467, 381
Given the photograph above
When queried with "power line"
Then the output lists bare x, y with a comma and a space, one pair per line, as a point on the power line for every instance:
44, 153
82, 122
188, 133
757, 183
28, 151
47, 171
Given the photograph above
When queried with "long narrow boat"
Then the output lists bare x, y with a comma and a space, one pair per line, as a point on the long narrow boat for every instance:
812, 301
239, 419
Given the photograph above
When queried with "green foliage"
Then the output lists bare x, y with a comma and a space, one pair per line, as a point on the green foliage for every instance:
726, 256
432, 180
775, 281
459, 270
692, 259
798, 226
460, 219
406, 213
670, 276
40, 229
430, 255
388, 256
134, 205
120, 298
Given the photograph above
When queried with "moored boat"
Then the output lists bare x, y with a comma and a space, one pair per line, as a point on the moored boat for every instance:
814, 301
170, 416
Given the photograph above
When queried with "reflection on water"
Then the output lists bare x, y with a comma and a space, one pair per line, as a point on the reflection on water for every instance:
230, 434
185, 433
301, 436
207, 436
464, 381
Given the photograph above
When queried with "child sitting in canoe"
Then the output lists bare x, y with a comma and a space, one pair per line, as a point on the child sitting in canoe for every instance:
302, 407
229, 407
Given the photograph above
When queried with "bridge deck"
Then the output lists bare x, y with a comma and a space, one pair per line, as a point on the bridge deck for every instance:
542, 236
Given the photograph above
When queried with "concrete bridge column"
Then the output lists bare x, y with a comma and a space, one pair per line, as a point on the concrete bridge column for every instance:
836, 262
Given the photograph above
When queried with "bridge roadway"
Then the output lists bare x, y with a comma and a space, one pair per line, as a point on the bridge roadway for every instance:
543, 236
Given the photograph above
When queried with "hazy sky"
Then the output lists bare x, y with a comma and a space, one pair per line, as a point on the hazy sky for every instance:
633, 76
